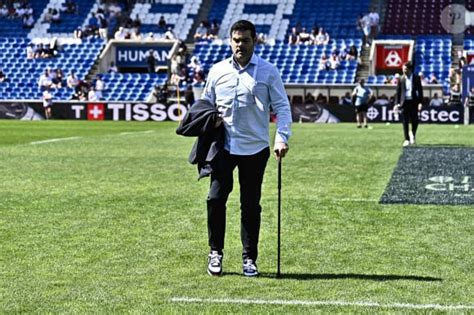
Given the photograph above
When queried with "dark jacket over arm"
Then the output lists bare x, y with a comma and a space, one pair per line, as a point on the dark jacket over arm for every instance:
200, 121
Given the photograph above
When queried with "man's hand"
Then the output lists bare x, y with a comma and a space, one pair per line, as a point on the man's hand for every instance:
280, 150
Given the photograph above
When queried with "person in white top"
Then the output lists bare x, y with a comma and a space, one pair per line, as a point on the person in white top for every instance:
120, 34
436, 101
47, 102
374, 23
99, 87
92, 95
72, 81
45, 80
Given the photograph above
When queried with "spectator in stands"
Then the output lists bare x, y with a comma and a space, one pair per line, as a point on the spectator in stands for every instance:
161, 94
455, 94
314, 33
169, 34
72, 81
28, 21
45, 80
322, 38
194, 64
103, 24
374, 23
293, 37
454, 77
304, 37
92, 95
30, 51
48, 16
136, 23
151, 60
114, 9
99, 87
424, 80
135, 34
201, 31
343, 53
323, 62
112, 68
4, 11
3, 77
366, 25
436, 101
395, 79
58, 78
150, 36
309, 98
162, 24
409, 98
362, 95
47, 102
352, 54
261, 39
461, 63
213, 30
78, 32
121, 33
55, 16
346, 99
433, 79
334, 62
70, 7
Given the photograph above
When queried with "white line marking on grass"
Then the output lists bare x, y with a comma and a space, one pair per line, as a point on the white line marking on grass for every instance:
136, 132
323, 303
55, 140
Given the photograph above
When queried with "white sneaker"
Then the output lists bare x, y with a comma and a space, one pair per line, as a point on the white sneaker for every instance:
250, 268
214, 265
406, 143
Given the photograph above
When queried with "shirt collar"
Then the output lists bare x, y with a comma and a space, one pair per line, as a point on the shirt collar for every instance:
253, 61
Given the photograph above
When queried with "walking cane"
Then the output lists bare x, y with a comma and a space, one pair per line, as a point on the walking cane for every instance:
279, 216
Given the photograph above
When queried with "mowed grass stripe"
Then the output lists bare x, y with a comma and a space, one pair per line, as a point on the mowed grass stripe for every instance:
362, 304
117, 224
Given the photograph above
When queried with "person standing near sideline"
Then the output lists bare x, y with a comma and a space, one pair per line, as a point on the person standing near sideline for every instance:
362, 95
243, 88
408, 100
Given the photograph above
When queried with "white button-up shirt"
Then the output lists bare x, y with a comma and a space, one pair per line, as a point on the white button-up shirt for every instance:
244, 98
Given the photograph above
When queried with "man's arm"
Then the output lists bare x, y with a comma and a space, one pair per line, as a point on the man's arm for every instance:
282, 109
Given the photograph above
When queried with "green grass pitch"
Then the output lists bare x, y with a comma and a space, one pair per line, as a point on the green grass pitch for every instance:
112, 220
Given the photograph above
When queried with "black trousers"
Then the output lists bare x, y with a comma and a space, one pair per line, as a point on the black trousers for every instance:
410, 115
251, 169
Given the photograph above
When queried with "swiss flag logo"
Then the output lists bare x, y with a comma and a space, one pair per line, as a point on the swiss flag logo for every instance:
95, 112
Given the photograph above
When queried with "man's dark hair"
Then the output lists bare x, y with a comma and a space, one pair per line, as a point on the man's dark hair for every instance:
242, 26
409, 65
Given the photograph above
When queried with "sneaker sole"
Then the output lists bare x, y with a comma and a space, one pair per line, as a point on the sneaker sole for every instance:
212, 274
251, 274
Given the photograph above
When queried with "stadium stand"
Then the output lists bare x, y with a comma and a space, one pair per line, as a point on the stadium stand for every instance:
179, 15
23, 74
299, 64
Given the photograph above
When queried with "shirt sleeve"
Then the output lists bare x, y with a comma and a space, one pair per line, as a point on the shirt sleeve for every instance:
209, 92
281, 107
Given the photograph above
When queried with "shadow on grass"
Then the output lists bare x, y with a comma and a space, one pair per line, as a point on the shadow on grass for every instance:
336, 276
330, 276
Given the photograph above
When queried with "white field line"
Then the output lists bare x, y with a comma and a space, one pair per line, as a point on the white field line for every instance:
55, 140
324, 303
136, 132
